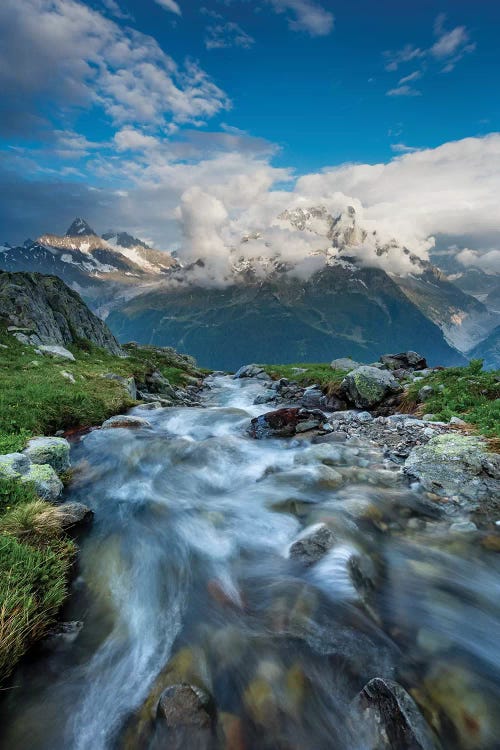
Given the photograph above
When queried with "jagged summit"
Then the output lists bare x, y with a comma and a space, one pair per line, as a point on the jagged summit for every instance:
80, 228
124, 239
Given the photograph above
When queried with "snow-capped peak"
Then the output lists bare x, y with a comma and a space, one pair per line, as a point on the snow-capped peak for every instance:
79, 228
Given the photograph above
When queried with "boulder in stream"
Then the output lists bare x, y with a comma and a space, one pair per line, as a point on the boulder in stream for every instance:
185, 705
389, 718
286, 422
126, 421
312, 544
252, 371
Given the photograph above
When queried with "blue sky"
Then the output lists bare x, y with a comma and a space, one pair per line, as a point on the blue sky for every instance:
117, 108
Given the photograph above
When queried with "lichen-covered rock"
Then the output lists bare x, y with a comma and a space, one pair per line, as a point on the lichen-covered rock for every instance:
49, 450
125, 421
312, 544
58, 352
388, 718
128, 384
455, 465
45, 481
50, 312
13, 465
367, 386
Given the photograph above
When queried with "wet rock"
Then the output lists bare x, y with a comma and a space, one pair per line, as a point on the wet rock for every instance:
265, 397
251, 371
405, 360
126, 421
49, 450
389, 718
185, 705
312, 544
330, 455
74, 514
463, 527
128, 384
285, 422
58, 352
453, 464
367, 387
312, 398
345, 363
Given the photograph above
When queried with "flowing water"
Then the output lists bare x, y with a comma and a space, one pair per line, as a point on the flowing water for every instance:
184, 576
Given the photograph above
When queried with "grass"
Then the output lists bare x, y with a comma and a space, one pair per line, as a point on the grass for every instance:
321, 373
470, 393
36, 398
35, 559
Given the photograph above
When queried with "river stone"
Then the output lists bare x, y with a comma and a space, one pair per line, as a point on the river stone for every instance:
251, 371
265, 397
59, 352
389, 718
285, 422
312, 544
49, 450
404, 361
367, 386
312, 398
344, 363
13, 465
126, 421
455, 464
185, 705
45, 481
156, 383
74, 514
128, 384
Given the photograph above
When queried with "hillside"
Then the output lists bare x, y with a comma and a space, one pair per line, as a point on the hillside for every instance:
341, 311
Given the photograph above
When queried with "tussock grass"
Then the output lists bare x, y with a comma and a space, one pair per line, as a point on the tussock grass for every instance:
35, 558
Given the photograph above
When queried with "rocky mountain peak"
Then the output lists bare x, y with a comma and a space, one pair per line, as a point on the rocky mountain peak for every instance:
80, 228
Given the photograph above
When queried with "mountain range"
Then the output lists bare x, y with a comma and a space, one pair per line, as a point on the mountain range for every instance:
268, 307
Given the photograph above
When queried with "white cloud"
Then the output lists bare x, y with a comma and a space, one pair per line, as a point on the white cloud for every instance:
222, 35
306, 15
488, 262
78, 56
170, 5
411, 77
404, 91
131, 139
404, 55
402, 148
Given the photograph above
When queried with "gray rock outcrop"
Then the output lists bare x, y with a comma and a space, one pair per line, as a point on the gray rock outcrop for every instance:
47, 312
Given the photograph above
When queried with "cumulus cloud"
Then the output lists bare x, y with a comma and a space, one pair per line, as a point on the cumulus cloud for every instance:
78, 57
305, 15
488, 261
170, 5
